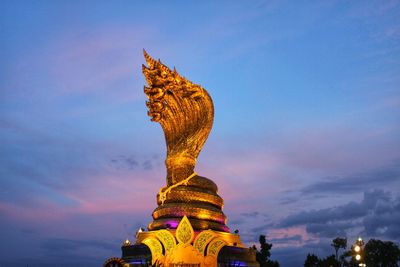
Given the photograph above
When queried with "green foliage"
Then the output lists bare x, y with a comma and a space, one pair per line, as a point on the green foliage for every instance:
339, 243
375, 253
311, 261
381, 253
329, 261
263, 255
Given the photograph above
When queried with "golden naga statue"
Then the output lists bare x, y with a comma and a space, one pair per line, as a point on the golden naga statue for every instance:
189, 228
186, 113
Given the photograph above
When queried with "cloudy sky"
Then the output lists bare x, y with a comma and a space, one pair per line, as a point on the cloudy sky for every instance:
305, 145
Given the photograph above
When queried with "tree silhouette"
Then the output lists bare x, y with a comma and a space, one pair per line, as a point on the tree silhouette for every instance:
329, 261
339, 243
381, 253
311, 261
376, 253
263, 255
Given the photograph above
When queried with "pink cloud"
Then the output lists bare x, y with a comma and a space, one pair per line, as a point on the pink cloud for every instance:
286, 235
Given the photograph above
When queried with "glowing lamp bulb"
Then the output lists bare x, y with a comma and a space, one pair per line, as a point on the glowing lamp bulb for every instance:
357, 248
359, 239
358, 257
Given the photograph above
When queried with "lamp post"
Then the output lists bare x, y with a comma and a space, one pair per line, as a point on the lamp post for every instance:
358, 248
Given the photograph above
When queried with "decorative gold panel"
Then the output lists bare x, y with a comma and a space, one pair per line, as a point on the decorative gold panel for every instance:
184, 233
214, 247
155, 248
166, 238
202, 240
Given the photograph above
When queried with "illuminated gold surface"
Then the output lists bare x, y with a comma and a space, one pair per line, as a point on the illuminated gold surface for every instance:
215, 246
184, 233
186, 194
166, 238
185, 112
187, 246
202, 240
202, 211
155, 248
197, 224
189, 227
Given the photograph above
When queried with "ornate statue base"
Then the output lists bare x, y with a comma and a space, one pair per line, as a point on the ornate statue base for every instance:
185, 247
189, 227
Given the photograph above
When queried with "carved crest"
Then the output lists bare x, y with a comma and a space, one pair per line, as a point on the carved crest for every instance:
185, 112
184, 232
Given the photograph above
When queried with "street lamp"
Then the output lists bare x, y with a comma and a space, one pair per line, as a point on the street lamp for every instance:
358, 249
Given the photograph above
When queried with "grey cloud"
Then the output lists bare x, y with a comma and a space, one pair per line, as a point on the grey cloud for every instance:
236, 221
385, 220
250, 214
286, 239
330, 229
251, 238
131, 162
378, 214
147, 165
349, 211
125, 162
261, 228
356, 183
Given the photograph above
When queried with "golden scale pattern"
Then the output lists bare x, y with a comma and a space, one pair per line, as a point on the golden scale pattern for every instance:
185, 112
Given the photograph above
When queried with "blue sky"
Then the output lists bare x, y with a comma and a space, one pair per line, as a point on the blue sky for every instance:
305, 145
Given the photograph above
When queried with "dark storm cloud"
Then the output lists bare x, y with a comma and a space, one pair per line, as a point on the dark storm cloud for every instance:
356, 183
378, 214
